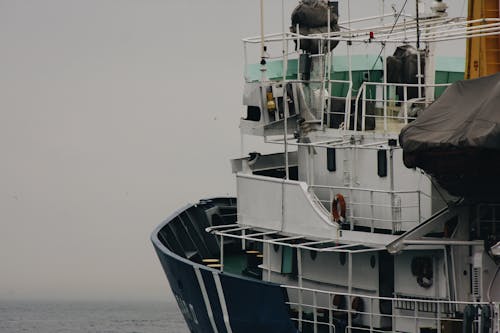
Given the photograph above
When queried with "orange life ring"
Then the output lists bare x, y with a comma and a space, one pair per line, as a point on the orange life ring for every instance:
338, 208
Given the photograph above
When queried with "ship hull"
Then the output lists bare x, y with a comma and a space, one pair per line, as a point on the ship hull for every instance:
213, 301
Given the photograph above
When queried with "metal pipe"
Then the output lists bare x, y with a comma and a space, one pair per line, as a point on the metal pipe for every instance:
405, 101
399, 29
349, 43
322, 93
285, 92
365, 189
299, 272
348, 104
298, 51
268, 247
440, 242
419, 206
372, 228
363, 112
349, 283
358, 96
417, 4
243, 240
369, 18
393, 196
245, 55
419, 73
315, 312
221, 253
384, 64
262, 46
329, 70
330, 314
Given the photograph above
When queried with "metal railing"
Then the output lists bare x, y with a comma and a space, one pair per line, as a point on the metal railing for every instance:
315, 308
376, 209
390, 104
346, 308
432, 30
389, 114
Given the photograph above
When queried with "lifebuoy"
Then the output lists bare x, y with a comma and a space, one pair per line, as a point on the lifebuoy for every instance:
338, 208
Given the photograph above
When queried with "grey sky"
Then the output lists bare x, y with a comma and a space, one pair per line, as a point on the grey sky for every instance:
113, 113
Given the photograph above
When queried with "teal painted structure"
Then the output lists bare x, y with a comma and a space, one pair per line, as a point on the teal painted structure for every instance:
448, 70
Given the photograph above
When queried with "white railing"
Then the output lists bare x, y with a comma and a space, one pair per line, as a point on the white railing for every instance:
389, 104
375, 209
315, 308
391, 116
431, 30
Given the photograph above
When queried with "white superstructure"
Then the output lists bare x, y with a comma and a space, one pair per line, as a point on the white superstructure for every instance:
399, 256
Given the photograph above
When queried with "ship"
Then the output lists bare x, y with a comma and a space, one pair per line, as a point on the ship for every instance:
379, 208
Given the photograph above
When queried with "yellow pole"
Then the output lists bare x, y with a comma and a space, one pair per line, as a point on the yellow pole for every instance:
482, 53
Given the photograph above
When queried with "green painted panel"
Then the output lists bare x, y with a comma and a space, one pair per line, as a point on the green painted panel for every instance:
446, 77
360, 64
286, 260
274, 70
450, 64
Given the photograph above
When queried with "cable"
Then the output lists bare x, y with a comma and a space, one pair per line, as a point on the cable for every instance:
392, 29
491, 284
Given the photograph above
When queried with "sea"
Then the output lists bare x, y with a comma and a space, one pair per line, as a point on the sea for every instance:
87, 317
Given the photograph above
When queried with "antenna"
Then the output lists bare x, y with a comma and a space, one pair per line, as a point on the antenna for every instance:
417, 3
262, 46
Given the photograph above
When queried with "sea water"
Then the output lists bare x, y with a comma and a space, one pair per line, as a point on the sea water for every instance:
87, 317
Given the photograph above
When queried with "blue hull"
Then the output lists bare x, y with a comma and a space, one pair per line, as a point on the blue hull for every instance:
212, 301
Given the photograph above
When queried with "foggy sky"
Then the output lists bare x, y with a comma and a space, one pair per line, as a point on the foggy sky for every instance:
113, 113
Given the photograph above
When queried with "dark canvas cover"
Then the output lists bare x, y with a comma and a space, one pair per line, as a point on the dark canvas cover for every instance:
457, 139
467, 115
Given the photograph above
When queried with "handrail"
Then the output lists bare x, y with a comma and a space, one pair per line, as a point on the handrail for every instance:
382, 298
362, 95
375, 212
413, 309
439, 29
369, 189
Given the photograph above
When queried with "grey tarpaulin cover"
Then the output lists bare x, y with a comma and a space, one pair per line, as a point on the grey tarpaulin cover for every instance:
457, 138
466, 115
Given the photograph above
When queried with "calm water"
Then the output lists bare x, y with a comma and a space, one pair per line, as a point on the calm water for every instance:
86, 317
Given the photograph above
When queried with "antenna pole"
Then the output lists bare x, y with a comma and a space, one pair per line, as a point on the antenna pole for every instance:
417, 2
285, 97
262, 46
262, 52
